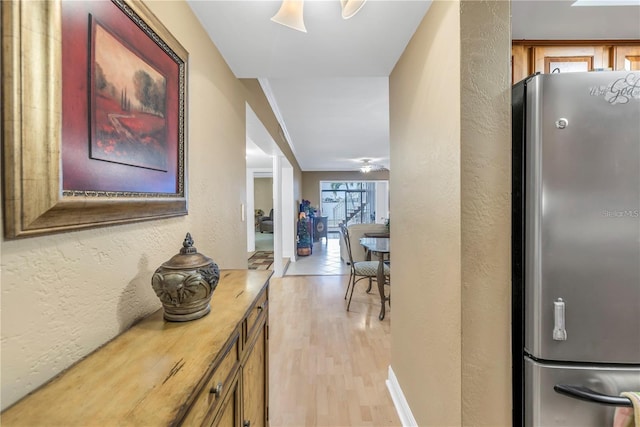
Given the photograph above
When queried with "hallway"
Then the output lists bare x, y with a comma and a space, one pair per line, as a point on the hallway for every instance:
327, 366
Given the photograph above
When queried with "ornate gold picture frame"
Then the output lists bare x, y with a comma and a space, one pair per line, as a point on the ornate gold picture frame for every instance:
37, 196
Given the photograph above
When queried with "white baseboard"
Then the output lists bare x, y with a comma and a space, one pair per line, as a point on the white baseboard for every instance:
399, 401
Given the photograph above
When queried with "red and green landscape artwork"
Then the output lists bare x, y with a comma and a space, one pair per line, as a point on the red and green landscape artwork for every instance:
127, 107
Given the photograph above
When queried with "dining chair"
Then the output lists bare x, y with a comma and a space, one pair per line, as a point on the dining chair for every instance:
361, 269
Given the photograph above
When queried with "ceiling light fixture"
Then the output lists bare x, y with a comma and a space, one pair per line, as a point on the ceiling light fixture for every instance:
367, 166
290, 12
290, 15
351, 7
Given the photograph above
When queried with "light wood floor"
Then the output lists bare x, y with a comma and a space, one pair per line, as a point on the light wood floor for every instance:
327, 366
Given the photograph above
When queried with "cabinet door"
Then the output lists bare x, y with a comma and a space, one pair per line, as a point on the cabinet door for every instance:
229, 414
521, 64
570, 58
627, 58
254, 383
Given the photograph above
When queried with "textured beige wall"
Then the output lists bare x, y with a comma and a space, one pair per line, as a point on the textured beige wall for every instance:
450, 142
425, 204
486, 212
263, 194
311, 181
65, 295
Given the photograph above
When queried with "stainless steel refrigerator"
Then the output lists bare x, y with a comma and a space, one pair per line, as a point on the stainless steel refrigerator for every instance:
575, 247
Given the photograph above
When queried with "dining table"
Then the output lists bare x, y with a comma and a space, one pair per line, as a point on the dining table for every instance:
379, 246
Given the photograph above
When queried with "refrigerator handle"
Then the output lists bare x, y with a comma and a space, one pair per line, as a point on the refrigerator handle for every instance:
559, 330
584, 393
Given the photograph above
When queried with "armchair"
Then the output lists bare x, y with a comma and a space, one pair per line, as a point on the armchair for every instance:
266, 223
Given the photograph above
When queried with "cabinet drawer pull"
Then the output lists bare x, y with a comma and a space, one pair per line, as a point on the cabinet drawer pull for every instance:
217, 390
261, 306
246, 423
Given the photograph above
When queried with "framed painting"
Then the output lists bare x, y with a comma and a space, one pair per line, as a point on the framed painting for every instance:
94, 129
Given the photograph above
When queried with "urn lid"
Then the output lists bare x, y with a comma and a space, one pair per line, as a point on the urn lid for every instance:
188, 258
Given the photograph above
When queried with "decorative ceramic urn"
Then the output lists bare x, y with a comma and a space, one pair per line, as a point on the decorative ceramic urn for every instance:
185, 283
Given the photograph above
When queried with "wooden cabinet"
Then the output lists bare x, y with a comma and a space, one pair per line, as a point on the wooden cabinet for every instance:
216, 386
254, 383
211, 371
547, 56
627, 58
229, 413
319, 228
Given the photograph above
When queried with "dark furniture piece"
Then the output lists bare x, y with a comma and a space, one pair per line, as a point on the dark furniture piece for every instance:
319, 228
266, 223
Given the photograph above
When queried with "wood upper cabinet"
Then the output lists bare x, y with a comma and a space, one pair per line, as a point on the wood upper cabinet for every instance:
627, 58
548, 56
563, 59
211, 371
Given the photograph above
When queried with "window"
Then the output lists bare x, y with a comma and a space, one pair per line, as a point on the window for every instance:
353, 202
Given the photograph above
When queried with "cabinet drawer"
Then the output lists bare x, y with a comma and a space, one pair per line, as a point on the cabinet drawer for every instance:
255, 313
229, 413
216, 386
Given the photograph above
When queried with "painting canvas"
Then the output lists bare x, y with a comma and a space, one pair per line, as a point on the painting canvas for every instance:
122, 105
128, 105
103, 140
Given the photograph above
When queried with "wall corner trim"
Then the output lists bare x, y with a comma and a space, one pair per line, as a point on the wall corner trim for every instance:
399, 401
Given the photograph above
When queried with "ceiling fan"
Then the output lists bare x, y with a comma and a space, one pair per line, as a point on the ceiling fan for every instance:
290, 13
367, 166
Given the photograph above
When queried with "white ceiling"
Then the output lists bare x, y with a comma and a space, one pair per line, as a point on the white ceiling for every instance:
329, 86
367, 45
333, 122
